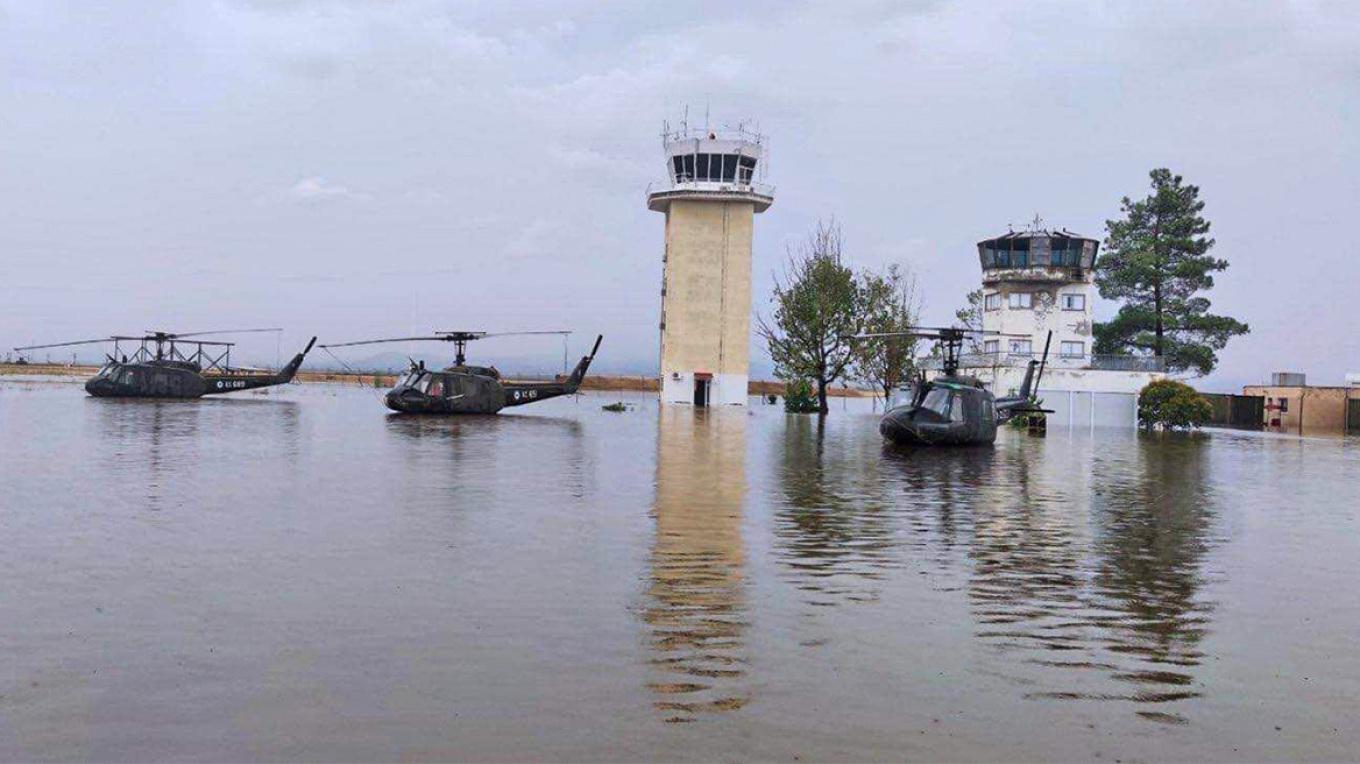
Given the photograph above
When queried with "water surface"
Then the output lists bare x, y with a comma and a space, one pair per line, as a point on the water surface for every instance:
300, 575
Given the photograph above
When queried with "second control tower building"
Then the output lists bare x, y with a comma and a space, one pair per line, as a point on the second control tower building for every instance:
710, 198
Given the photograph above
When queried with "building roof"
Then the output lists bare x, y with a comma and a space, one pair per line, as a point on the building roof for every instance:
1038, 233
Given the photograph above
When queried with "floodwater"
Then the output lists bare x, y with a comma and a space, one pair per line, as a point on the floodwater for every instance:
300, 575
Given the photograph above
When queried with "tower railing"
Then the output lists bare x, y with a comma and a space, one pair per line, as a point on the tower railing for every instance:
733, 187
1096, 361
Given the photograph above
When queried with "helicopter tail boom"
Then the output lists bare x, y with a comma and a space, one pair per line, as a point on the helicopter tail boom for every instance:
233, 380
519, 393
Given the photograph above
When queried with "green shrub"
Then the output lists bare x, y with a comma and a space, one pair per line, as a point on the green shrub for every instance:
799, 399
1172, 405
1027, 420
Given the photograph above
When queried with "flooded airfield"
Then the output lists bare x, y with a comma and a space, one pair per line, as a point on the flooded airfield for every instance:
301, 575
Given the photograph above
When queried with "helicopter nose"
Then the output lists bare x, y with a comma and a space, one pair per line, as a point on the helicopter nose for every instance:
398, 399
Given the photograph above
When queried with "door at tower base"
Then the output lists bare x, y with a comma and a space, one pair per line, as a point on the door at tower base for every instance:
690, 387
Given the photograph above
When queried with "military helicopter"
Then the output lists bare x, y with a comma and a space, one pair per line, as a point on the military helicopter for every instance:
464, 389
954, 410
164, 366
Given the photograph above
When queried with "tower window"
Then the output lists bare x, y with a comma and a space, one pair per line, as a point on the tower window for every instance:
991, 346
1021, 301
992, 301
746, 169
1073, 349
1021, 347
1074, 302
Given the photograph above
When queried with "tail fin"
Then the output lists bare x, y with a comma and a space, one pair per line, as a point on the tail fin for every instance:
1031, 381
287, 373
579, 373
1026, 387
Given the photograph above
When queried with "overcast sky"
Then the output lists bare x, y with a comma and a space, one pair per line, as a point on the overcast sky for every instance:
356, 168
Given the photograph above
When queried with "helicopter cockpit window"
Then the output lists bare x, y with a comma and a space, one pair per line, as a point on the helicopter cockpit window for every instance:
106, 371
937, 400
435, 387
408, 380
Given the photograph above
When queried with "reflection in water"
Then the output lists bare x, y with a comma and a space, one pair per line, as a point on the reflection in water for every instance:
156, 443
1110, 613
149, 439
697, 596
1152, 536
833, 531
472, 447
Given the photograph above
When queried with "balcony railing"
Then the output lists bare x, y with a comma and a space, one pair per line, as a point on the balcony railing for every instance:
1003, 359
731, 187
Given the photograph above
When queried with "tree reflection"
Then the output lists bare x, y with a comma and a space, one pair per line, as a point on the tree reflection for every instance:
833, 529
697, 605
1098, 583
1152, 536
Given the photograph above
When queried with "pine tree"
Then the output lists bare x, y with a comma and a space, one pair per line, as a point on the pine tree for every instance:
1156, 261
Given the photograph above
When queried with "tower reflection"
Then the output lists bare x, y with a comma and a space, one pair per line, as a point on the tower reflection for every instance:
696, 609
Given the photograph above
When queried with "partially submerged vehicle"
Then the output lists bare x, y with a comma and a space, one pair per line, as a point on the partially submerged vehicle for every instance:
465, 389
952, 409
168, 365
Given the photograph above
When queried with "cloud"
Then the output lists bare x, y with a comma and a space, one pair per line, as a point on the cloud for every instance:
316, 189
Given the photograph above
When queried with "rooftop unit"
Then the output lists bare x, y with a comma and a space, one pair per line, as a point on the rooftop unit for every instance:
1288, 379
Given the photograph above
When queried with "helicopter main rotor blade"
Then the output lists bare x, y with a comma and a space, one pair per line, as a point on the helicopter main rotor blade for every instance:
171, 335
65, 344
387, 339
517, 334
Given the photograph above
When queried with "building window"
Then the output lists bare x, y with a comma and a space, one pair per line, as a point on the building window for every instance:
993, 301
1021, 347
991, 346
1073, 349
1021, 301
1074, 302
746, 170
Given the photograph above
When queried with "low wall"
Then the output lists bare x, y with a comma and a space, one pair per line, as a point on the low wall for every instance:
620, 383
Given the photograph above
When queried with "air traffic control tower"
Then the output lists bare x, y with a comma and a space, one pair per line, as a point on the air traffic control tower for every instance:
710, 199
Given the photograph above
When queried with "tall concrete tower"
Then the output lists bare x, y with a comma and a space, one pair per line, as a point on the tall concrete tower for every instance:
710, 199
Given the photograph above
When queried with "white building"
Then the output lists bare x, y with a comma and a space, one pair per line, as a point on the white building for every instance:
710, 198
1037, 281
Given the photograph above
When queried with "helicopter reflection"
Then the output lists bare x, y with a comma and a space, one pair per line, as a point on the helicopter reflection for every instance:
488, 454
150, 440
697, 599
156, 441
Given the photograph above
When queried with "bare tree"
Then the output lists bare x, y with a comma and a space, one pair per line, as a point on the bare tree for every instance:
889, 303
816, 310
